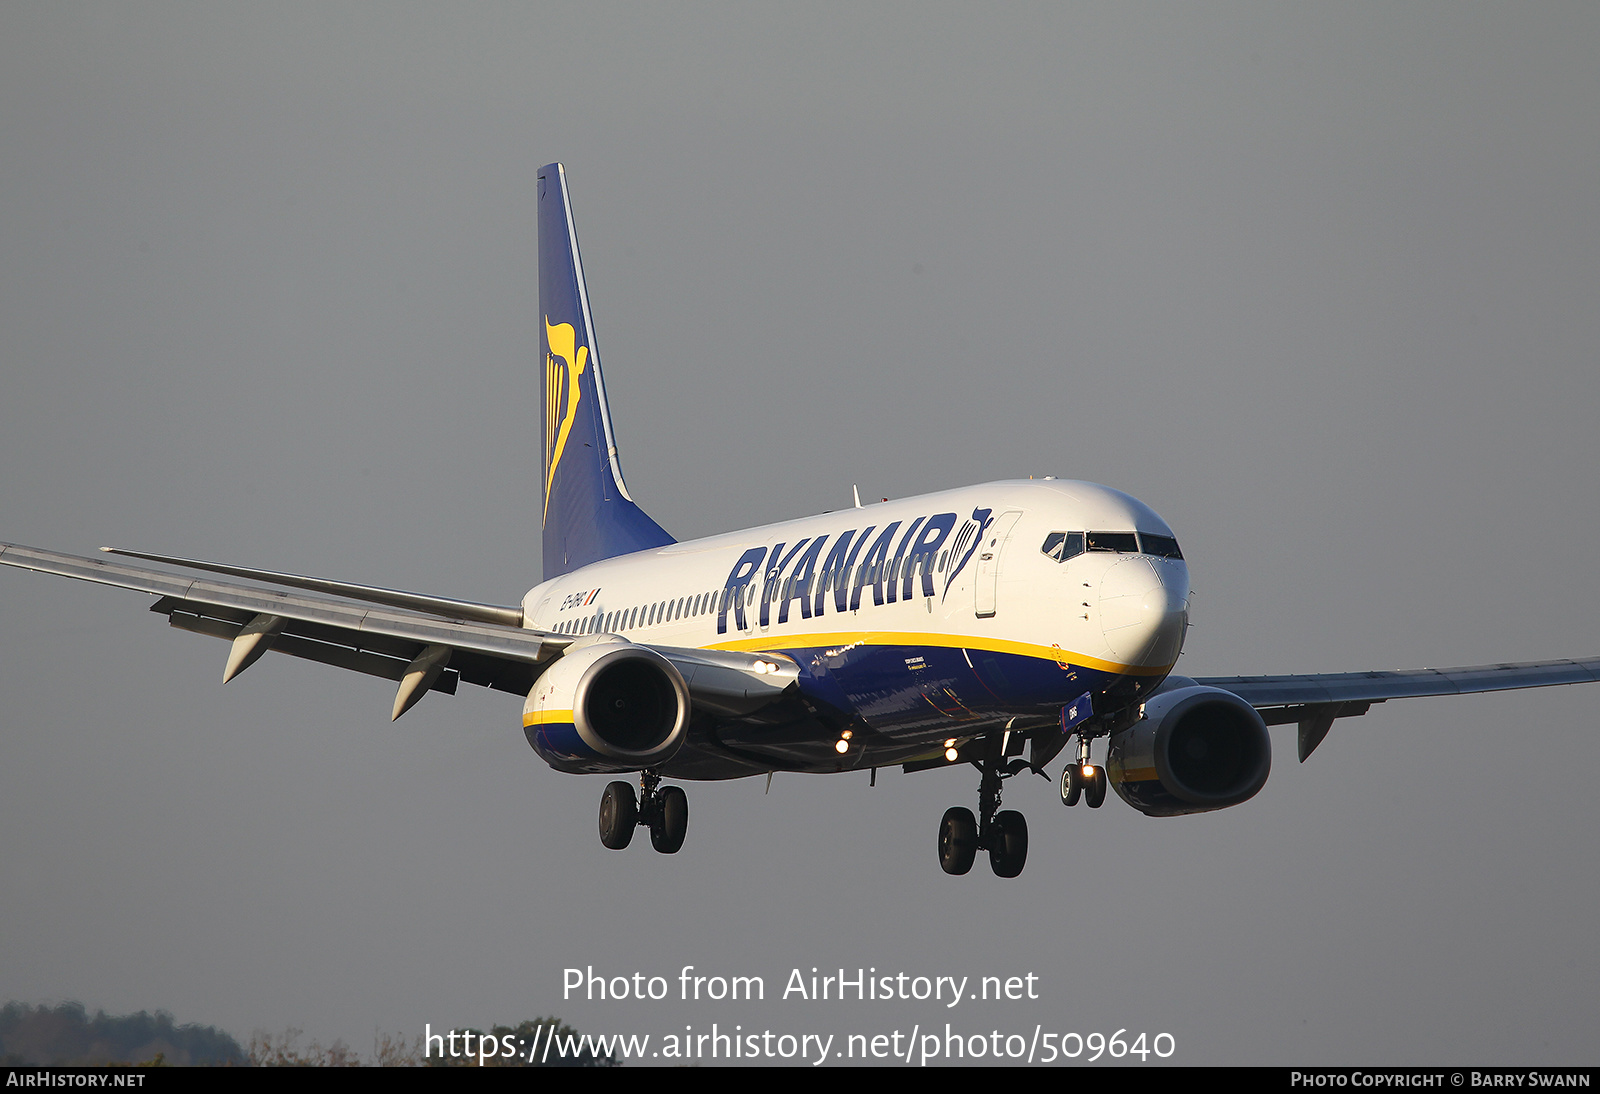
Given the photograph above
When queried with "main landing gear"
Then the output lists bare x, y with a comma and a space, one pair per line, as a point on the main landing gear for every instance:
1083, 779
662, 809
1003, 833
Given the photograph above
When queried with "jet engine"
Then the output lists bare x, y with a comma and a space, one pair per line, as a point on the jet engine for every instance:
1196, 749
605, 707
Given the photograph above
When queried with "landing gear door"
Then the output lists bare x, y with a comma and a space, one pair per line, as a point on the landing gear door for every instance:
988, 571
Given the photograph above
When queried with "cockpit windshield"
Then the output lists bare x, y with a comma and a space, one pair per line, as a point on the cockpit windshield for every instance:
1064, 545
1124, 543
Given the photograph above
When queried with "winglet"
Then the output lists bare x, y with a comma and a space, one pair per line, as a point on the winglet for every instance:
587, 513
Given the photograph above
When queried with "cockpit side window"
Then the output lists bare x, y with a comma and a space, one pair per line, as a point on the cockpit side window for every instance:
1063, 545
1160, 546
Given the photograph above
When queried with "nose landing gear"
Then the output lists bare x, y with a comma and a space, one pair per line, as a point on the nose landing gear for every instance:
1083, 779
664, 810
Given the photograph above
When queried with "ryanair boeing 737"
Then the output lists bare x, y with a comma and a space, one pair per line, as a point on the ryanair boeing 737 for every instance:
994, 625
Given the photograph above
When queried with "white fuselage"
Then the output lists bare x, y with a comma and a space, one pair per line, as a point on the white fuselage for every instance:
958, 571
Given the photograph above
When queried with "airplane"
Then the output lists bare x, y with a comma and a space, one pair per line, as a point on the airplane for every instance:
992, 625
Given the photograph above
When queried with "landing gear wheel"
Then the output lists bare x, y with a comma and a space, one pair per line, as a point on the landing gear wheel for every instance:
1008, 850
619, 815
671, 822
958, 840
1094, 794
1071, 784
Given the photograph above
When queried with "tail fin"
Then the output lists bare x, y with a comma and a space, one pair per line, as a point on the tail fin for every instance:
588, 515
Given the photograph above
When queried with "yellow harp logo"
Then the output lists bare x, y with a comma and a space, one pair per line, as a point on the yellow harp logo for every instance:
562, 366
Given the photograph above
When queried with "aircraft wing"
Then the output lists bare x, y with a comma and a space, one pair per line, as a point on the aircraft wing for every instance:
423, 653
1315, 701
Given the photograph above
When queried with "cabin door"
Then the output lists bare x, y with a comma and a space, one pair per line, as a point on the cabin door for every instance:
988, 571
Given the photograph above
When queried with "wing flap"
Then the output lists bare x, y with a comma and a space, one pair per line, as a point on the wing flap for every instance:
376, 642
1314, 701
339, 656
1375, 687
447, 607
226, 600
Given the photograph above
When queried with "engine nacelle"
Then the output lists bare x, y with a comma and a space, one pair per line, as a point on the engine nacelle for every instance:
605, 707
1196, 749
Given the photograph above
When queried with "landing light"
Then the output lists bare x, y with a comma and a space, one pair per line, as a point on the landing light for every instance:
951, 754
1088, 771
841, 746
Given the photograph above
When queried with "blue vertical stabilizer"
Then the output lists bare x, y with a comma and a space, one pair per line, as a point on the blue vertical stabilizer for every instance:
588, 515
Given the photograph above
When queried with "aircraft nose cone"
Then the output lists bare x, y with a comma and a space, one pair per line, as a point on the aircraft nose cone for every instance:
1144, 610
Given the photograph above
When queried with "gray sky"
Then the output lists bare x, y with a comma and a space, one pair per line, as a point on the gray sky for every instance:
1317, 282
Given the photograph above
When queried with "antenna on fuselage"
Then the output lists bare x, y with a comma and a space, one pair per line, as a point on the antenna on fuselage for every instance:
854, 489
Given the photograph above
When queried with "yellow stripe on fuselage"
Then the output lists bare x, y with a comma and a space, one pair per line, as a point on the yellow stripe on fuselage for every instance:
926, 638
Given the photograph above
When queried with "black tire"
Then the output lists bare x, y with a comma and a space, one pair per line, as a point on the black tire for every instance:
1071, 784
671, 821
1008, 853
619, 815
958, 840
1094, 795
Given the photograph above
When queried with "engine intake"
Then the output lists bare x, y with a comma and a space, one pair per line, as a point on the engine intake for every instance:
1196, 749
607, 707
